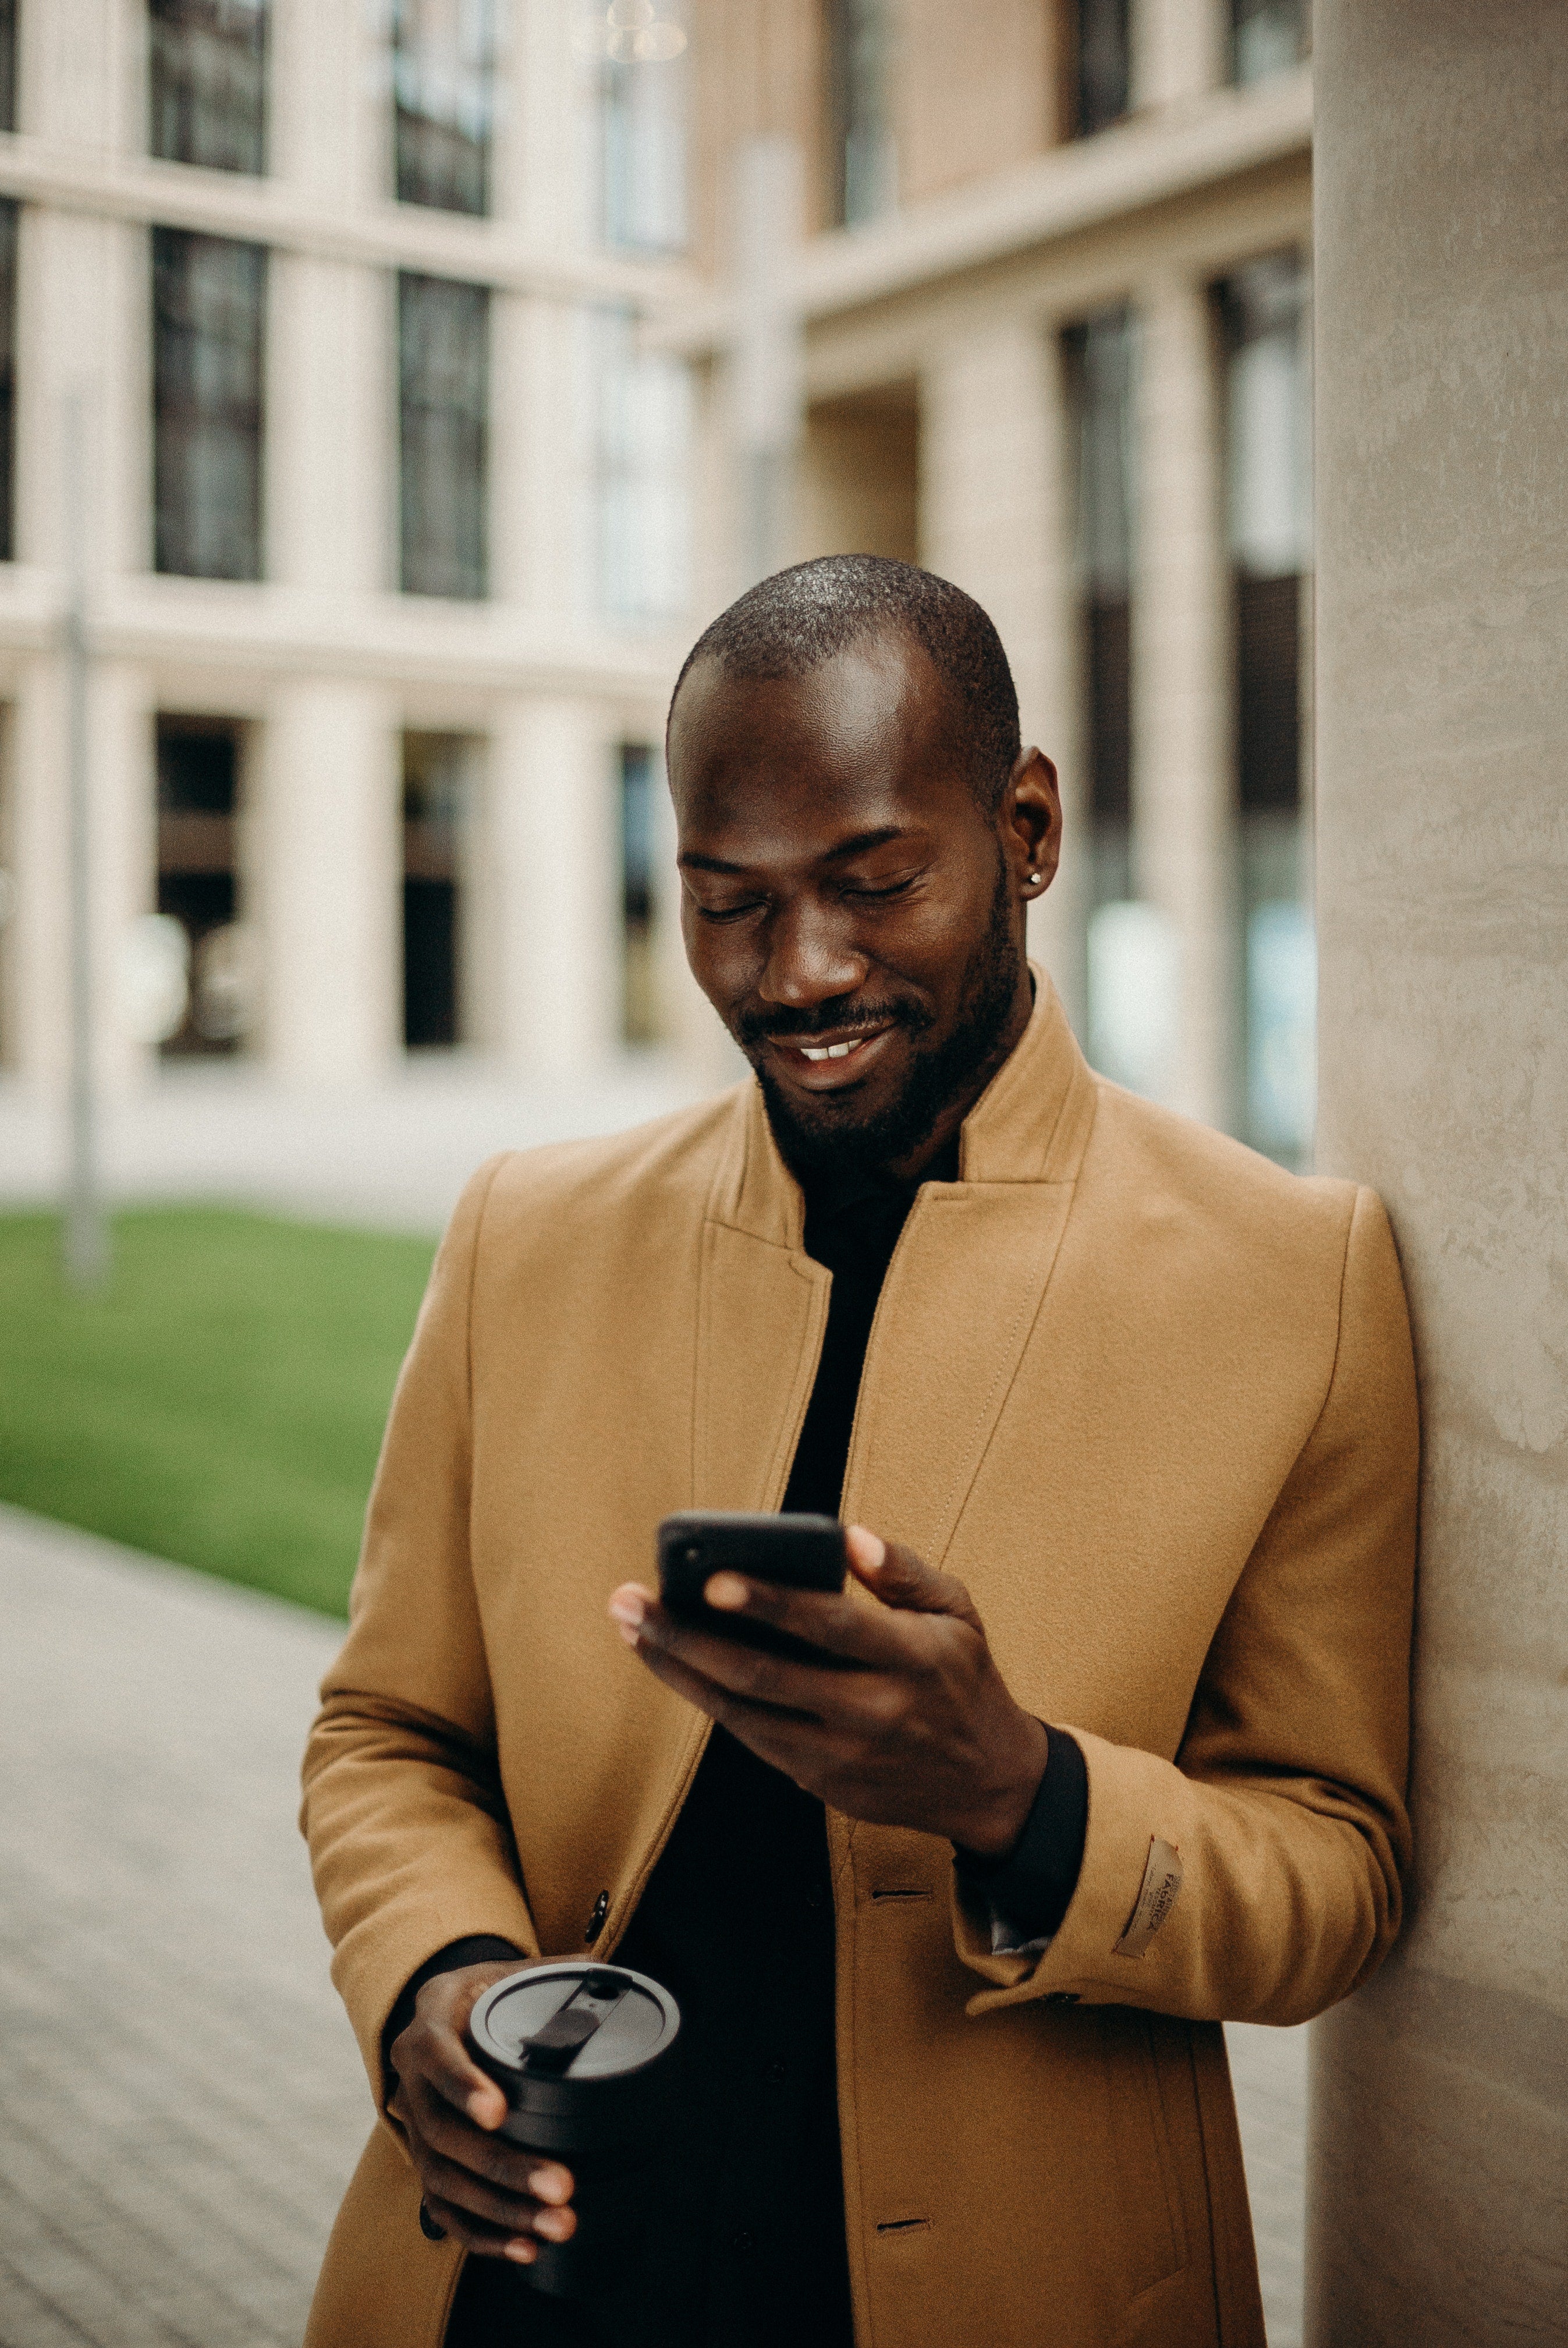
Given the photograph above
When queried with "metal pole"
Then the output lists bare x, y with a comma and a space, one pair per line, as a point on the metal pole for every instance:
769, 353
87, 1236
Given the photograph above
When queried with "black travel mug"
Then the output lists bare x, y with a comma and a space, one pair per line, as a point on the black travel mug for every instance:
581, 2053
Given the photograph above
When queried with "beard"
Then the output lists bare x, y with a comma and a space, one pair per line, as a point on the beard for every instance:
832, 1140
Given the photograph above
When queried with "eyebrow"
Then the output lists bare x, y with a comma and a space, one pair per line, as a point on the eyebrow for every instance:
862, 843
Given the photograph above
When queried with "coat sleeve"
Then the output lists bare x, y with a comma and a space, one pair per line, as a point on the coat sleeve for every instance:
1267, 1857
408, 1837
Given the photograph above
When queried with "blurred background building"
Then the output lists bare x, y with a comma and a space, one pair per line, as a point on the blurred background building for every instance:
422, 373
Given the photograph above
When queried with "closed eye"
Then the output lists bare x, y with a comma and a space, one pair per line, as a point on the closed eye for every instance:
727, 912
876, 896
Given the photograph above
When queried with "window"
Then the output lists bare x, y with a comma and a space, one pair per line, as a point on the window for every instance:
444, 393
199, 761
643, 425
1131, 974
208, 305
863, 172
8, 65
207, 83
443, 91
1100, 357
642, 116
9, 215
1104, 74
1268, 36
435, 797
1268, 424
640, 780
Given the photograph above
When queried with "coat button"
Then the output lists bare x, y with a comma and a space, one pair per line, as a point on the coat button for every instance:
775, 2075
1060, 1997
596, 1922
744, 2243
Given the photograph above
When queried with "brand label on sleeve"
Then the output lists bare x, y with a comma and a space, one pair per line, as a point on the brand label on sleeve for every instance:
1156, 1898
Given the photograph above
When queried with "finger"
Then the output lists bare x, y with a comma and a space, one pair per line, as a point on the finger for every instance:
445, 2135
513, 2213
802, 1748
903, 1581
872, 1638
476, 2235
627, 1605
441, 2063
783, 1682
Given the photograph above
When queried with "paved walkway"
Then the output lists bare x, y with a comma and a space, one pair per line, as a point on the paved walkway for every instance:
180, 2100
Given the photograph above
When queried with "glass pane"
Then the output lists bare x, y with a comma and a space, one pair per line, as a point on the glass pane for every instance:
436, 776
1099, 360
643, 132
640, 1022
197, 797
1264, 309
209, 310
1104, 63
443, 82
863, 157
8, 65
1268, 36
643, 411
207, 82
443, 338
1280, 980
9, 214
1133, 993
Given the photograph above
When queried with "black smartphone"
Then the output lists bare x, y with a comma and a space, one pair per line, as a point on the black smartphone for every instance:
800, 1553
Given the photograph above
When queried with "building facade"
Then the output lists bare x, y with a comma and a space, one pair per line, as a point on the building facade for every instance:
1046, 330
324, 403
390, 388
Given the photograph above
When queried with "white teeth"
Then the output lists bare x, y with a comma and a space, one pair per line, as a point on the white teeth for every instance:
832, 1051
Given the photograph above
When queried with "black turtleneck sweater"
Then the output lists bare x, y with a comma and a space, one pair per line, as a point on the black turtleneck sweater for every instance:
745, 2236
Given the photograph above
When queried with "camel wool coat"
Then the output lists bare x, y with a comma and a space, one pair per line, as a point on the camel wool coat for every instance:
1152, 1400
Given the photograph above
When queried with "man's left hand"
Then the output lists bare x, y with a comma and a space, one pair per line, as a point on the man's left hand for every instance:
911, 1726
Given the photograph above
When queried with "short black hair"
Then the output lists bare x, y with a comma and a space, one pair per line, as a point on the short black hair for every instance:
788, 624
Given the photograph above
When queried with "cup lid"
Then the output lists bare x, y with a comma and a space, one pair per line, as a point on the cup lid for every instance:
575, 2020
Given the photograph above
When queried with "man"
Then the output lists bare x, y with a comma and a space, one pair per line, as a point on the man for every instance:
1113, 1744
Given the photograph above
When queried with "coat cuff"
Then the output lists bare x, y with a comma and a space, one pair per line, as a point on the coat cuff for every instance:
1124, 1810
479, 1949
1030, 1891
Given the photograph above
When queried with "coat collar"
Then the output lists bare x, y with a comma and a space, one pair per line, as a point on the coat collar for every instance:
1030, 1125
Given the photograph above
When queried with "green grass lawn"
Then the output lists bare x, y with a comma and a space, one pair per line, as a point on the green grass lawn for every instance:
219, 1401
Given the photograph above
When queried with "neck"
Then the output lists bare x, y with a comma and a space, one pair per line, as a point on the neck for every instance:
955, 1109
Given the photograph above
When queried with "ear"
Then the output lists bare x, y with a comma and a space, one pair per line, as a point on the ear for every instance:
1030, 819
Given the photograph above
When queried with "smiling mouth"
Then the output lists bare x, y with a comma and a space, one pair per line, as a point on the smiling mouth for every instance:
819, 1050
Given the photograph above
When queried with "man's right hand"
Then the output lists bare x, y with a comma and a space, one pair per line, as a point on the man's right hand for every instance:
487, 2193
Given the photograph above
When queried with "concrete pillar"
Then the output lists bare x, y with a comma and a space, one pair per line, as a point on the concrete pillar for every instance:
996, 518
331, 486
329, 880
1178, 50
1183, 791
1439, 2157
557, 871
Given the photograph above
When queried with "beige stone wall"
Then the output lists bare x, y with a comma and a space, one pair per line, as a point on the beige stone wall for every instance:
1441, 2108
858, 485
977, 90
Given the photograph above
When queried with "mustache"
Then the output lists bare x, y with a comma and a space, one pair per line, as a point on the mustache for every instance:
753, 1027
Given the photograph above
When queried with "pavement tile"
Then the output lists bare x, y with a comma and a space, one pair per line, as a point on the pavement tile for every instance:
181, 2101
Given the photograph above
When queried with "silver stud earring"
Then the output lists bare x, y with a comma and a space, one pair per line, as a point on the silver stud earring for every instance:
1034, 876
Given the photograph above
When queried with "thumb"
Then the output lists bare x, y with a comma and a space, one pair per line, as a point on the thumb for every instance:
899, 1578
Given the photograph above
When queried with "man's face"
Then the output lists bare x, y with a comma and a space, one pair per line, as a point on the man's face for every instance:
853, 914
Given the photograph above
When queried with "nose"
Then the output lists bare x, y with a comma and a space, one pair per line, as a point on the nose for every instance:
812, 957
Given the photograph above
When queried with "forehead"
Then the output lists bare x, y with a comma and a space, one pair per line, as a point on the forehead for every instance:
867, 739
